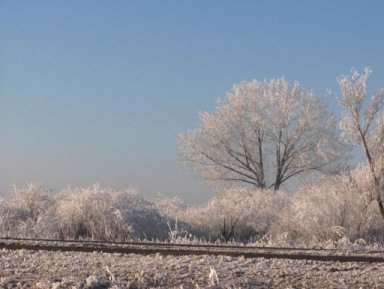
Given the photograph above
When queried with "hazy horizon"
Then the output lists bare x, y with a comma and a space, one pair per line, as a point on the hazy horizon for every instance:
98, 91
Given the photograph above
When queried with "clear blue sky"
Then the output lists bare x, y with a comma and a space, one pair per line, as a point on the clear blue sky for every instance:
97, 91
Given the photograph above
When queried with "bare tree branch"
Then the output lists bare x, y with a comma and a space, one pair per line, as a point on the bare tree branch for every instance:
263, 133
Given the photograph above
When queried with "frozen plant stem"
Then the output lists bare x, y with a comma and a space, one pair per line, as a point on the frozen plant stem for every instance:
213, 279
111, 276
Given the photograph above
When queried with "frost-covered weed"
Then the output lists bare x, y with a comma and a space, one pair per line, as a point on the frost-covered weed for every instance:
176, 235
212, 278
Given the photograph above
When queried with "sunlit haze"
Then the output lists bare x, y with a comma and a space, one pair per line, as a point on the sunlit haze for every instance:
98, 91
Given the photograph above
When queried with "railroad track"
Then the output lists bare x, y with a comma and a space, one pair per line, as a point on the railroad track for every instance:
193, 249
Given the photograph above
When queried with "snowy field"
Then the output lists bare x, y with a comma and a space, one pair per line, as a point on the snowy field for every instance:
43, 269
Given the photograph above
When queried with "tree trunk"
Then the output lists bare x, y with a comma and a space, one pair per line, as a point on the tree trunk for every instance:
375, 177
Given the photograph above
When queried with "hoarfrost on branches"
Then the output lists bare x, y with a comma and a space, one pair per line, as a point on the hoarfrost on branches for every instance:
364, 124
338, 206
27, 211
91, 212
263, 134
107, 214
238, 214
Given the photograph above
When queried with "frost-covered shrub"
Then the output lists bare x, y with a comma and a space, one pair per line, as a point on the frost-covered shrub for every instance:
145, 218
25, 211
237, 214
107, 214
90, 212
173, 210
339, 206
171, 207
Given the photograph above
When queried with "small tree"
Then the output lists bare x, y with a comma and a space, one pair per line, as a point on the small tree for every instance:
263, 134
364, 124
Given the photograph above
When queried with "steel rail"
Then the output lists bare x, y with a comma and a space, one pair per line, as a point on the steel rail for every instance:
208, 245
192, 249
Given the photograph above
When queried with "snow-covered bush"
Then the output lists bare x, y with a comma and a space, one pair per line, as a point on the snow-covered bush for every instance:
25, 211
338, 206
236, 214
107, 214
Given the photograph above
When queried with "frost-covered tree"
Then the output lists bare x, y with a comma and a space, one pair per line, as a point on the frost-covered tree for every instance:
364, 124
263, 134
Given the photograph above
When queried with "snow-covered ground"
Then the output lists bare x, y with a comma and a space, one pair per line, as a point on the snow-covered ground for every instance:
42, 269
